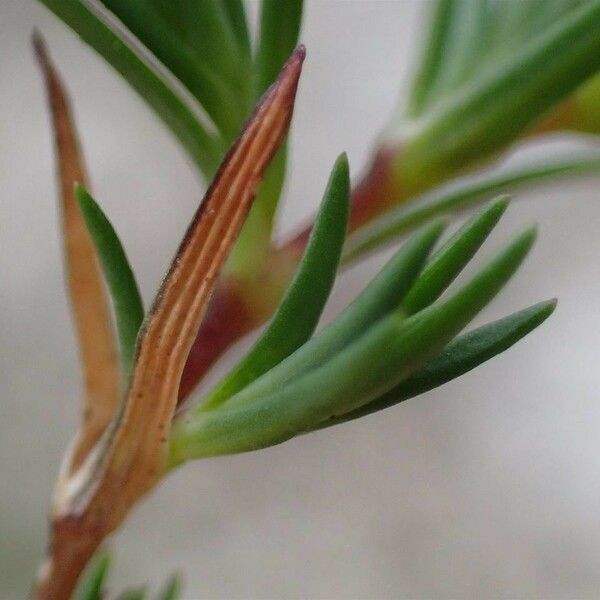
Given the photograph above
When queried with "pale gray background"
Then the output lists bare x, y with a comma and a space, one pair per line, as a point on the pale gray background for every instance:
487, 488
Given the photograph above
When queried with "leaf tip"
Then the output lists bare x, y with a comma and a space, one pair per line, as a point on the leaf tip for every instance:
500, 204
290, 73
342, 167
550, 306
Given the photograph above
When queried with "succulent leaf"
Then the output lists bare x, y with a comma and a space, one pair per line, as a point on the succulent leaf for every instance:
442, 268
380, 297
360, 371
298, 313
460, 356
129, 309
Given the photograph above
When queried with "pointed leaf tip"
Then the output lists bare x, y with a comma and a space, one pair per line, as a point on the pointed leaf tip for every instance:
300, 308
128, 306
88, 302
445, 265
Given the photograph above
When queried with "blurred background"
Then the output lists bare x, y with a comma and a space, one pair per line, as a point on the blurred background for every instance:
487, 488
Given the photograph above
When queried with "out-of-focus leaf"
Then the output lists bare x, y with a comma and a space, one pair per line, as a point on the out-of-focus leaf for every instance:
449, 260
205, 27
377, 361
129, 309
219, 99
469, 37
298, 313
236, 13
91, 583
492, 110
460, 356
381, 296
205, 149
464, 44
278, 35
432, 57
449, 200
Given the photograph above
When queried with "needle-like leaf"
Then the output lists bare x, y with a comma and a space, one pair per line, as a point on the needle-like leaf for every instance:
460, 356
298, 313
450, 200
205, 149
90, 586
381, 296
127, 301
132, 456
380, 359
449, 260
90, 308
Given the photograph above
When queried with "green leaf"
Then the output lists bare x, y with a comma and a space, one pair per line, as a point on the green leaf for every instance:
205, 149
515, 23
464, 44
92, 580
468, 37
298, 313
236, 14
217, 96
390, 351
126, 297
449, 260
460, 356
278, 35
380, 297
172, 590
433, 53
484, 116
205, 27
455, 198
